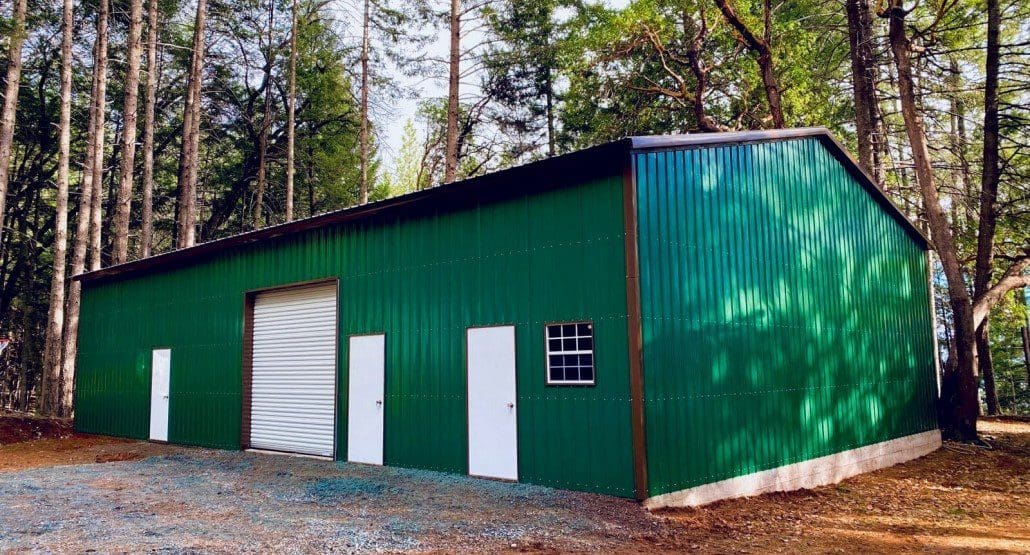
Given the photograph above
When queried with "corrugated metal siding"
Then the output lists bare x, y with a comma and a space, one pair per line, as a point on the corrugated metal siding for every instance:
550, 256
785, 315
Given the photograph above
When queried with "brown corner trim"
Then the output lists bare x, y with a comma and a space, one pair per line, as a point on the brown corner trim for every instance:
248, 368
635, 331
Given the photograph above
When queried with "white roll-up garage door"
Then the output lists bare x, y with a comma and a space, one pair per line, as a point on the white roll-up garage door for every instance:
293, 403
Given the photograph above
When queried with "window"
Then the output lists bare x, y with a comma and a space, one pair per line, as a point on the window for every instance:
570, 354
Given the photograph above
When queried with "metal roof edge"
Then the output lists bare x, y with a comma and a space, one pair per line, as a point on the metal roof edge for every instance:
482, 184
605, 152
648, 142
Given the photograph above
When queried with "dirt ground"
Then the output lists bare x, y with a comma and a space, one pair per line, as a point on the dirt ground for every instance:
957, 499
30, 442
154, 497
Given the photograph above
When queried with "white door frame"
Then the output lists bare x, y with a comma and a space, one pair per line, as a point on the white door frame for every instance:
160, 391
366, 397
493, 442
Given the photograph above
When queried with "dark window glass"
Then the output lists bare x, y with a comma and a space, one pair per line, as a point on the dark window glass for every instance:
564, 367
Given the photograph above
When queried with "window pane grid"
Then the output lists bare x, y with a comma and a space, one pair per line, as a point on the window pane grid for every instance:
570, 353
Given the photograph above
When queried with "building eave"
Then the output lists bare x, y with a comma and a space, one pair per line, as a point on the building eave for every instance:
539, 175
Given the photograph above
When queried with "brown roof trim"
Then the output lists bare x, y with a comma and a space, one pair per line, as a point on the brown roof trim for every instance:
540, 175
535, 176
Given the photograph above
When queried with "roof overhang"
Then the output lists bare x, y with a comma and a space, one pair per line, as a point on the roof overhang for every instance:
597, 161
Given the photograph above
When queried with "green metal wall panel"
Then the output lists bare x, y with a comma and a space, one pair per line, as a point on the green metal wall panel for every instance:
423, 280
785, 314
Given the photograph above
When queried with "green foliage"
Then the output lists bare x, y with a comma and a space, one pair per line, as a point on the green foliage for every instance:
1010, 370
629, 72
327, 141
406, 175
521, 70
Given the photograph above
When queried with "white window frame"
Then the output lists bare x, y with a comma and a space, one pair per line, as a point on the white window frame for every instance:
548, 353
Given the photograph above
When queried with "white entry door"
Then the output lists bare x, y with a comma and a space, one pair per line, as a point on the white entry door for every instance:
293, 395
160, 377
366, 369
492, 414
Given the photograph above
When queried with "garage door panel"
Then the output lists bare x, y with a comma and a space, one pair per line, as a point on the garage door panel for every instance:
293, 380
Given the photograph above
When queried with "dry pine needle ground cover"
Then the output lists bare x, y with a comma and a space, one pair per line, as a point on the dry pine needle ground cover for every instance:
958, 499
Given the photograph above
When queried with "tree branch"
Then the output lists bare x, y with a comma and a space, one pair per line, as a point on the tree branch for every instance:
1014, 278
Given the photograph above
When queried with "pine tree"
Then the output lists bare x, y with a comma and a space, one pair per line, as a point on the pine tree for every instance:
10, 105
189, 155
291, 113
53, 347
520, 73
123, 203
146, 238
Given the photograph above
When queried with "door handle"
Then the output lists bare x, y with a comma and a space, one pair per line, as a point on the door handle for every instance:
164, 396
379, 402
511, 405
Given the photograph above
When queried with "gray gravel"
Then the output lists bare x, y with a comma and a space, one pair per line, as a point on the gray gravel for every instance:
201, 500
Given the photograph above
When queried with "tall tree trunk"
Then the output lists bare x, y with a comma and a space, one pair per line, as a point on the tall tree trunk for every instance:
957, 107
146, 236
988, 216
986, 367
451, 152
10, 108
53, 348
1024, 332
266, 124
762, 48
82, 230
95, 165
363, 129
991, 168
863, 78
960, 390
549, 104
694, 37
186, 224
310, 179
291, 108
1026, 351
129, 117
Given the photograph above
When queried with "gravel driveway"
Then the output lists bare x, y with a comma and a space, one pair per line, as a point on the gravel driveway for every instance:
196, 499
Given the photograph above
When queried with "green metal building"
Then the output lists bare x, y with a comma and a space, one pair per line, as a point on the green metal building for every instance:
677, 319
